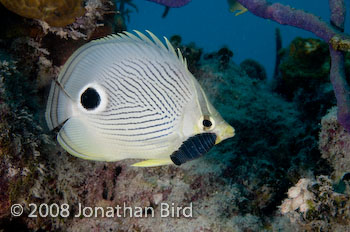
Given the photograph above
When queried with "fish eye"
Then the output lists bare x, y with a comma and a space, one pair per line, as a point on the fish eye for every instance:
90, 99
207, 122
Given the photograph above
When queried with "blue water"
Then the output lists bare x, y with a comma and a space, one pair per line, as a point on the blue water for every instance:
210, 25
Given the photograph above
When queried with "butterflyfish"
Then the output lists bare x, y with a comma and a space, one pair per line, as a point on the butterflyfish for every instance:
130, 96
236, 6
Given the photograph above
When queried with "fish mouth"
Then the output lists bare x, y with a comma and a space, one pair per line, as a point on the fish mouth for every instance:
225, 131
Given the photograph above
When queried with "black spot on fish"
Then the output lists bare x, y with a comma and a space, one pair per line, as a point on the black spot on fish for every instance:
90, 99
194, 147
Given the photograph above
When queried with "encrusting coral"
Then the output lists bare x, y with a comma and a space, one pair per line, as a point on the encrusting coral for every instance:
335, 144
298, 197
98, 17
313, 205
21, 137
190, 51
303, 78
57, 13
321, 203
305, 65
253, 69
95, 21
287, 15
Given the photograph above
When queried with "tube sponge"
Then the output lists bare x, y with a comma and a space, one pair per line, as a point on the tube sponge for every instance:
57, 13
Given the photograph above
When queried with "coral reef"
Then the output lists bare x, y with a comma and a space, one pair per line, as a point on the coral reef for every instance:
313, 205
38, 45
190, 51
279, 52
14, 26
303, 78
253, 69
21, 139
305, 65
335, 144
322, 203
55, 13
97, 17
299, 198
263, 158
97, 21
224, 55
331, 34
23, 86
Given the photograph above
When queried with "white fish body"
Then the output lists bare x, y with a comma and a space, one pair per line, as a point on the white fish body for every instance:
126, 96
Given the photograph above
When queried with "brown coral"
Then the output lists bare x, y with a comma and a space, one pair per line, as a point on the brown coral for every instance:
334, 144
57, 13
340, 44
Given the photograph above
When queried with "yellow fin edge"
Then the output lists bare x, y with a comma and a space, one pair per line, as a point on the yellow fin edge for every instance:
241, 11
153, 163
236, 6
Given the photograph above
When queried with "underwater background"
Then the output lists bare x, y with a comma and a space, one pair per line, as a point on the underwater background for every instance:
286, 168
211, 25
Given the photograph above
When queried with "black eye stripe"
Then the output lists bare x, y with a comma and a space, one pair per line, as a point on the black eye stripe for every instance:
90, 99
193, 148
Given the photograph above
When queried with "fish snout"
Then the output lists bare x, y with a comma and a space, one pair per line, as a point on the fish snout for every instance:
224, 131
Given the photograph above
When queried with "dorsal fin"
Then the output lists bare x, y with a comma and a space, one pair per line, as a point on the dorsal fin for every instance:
170, 47
143, 37
179, 54
140, 37
156, 40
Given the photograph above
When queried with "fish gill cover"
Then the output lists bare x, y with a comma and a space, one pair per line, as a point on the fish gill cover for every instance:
286, 169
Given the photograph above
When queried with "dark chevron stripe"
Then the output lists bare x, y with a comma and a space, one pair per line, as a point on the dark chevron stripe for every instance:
131, 117
152, 94
164, 78
186, 92
163, 87
139, 134
145, 92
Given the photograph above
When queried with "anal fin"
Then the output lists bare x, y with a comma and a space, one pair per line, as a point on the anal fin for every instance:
152, 163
